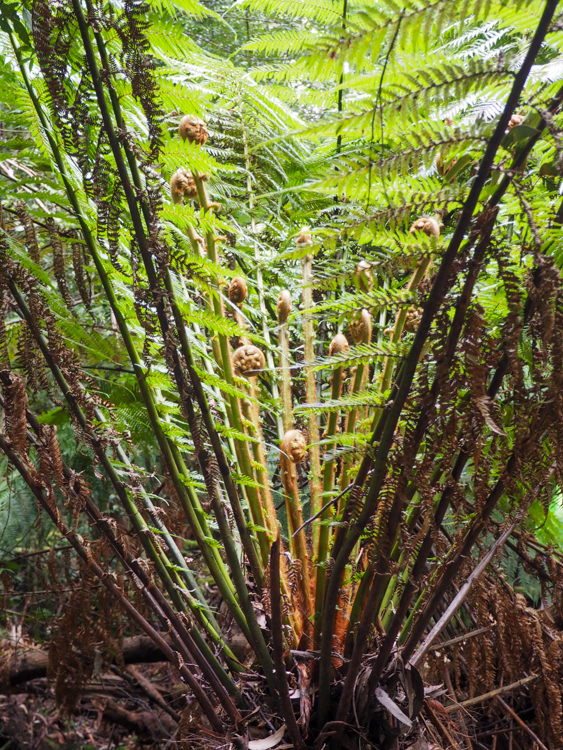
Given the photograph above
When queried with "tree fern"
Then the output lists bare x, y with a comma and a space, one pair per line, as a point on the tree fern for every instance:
395, 176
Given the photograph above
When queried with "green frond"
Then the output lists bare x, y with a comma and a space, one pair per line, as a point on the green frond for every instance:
360, 354
369, 398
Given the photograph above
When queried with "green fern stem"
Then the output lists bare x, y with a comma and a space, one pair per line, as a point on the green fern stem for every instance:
311, 394
357, 608
187, 496
253, 429
400, 318
186, 350
263, 532
328, 489
350, 426
158, 557
251, 628
259, 279
183, 576
283, 342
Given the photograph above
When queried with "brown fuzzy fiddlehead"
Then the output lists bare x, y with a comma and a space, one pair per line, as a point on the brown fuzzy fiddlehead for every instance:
248, 361
193, 130
238, 290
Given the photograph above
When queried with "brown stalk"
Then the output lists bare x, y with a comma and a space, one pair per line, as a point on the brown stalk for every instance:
461, 638
108, 581
182, 637
453, 697
298, 541
392, 518
479, 524
443, 367
461, 595
442, 729
278, 648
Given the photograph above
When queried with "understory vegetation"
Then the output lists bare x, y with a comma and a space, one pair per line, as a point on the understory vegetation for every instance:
281, 374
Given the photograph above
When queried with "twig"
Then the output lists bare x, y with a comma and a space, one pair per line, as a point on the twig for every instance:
461, 720
322, 510
459, 638
25, 555
443, 730
492, 693
521, 723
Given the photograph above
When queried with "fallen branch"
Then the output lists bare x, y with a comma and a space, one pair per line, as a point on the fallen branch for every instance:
138, 649
150, 690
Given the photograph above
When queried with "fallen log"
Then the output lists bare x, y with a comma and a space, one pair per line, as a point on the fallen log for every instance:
144, 723
138, 649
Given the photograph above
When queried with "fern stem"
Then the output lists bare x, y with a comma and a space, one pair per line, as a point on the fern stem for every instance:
196, 601
112, 587
259, 278
278, 648
243, 451
328, 488
162, 564
311, 394
248, 621
299, 541
222, 357
163, 567
389, 362
260, 458
211, 555
231, 490
350, 425
283, 341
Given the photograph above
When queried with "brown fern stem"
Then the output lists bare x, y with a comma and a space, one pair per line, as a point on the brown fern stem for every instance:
278, 648
108, 581
191, 640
